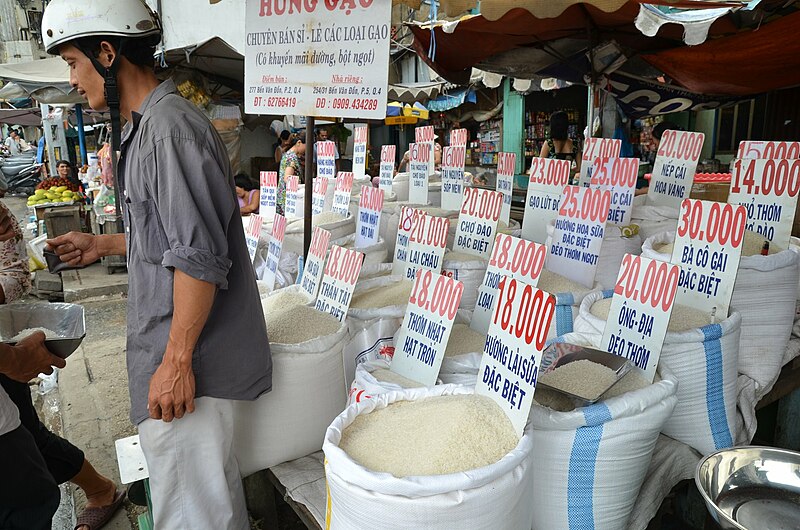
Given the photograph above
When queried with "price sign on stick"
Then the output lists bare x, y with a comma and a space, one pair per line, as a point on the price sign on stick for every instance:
341, 194
617, 175
274, 249
594, 148
749, 149
368, 224
420, 157
269, 190
768, 189
388, 156
512, 257
477, 222
359, 151
423, 337
459, 137
453, 159
640, 311
506, 167
426, 244
674, 168
426, 136
514, 345
293, 206
318, 199
339, 281
252, 234
326, 159
315, 262
708, 247
546, 182
404, 227
578, 234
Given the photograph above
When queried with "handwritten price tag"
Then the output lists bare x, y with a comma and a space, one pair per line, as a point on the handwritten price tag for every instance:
339, 281
293, 207
420, 160
268, 196
459, 137
546, 183
424, 134
318, 199
315, 262
426, 244
512, 257
477, 222
274, 249
388, 157
506, 168
675, 166
768, 189
370, 205
423, 337
453, 159
342, 192
326, 159
618, 176
252, 234
578, 234
750, 149
404, 227
594, 148
640, 311
708, 247
514, 345
360, 151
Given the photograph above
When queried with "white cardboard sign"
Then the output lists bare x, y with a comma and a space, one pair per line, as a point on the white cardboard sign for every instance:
751, 149
594, 148
339, 281
268, 197
427, 136
388, 157
315, 262
342, 192
674, 168
326, 159
512, 354
617, 175
420, 158
578, 234
274, 249
459, 137
640, 311
252, 234
453, 159
477, 221
513, 257
546, 183
506, 168
370, 205
318, 199
768, 189
293, 206
427, 243
404, 226
360, 151
426, 328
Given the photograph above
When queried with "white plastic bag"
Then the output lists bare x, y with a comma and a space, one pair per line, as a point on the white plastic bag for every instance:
653, 219
365, 386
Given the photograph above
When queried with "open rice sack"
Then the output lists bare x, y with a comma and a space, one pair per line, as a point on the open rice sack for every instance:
495, 496
400, 185
334, 223
569, 296
652, 219
703, 359
469, 270
373, 254
374, 378
794, 246
464, 350
356, 197
308, 389
591, 461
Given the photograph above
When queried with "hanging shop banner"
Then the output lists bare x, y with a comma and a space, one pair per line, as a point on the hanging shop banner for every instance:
453, 159
268, 196
318, 199
546, 183
477, 221
640, 310
327, 59
368, 224
427, 243
252, 234
674, 168
339, 281
708, 246
512, 257
506, 167
388, 156
293, 207
768, 189
420, 158
513, 350
750, 149
426, 328
459, 137
274, 249
594, 148
426, 136
578, 234
618, 176
342, 192
315, 262
326, 159
360, 151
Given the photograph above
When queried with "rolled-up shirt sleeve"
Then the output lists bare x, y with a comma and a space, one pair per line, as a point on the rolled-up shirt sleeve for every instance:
195, 201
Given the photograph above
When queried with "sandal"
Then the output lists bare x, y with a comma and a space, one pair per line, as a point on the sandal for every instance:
96, 518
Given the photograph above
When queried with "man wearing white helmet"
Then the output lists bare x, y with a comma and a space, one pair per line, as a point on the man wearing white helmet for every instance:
197, 339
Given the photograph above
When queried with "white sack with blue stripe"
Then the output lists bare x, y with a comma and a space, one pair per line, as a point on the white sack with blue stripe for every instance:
470, 273
591, 462
704, 362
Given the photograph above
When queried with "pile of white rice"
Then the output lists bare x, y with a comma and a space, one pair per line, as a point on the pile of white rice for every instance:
291, 321
326, 218
555, 283
464, 339
25, 333
452, 255
582, 378
682, 318
387, 376
395, 293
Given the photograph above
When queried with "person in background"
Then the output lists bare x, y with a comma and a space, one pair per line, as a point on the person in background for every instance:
323, 136
65, 170
283, 143
658, 132
13, 142
559, 145
290, 165
247, 193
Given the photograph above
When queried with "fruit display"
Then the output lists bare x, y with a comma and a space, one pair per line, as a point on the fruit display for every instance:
54, 195
57, 182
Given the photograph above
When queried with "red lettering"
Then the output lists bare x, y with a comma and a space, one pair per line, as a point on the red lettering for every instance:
279, 227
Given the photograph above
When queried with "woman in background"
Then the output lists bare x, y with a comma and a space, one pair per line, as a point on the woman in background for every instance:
559, 145
283, 143
290, 165
247, 193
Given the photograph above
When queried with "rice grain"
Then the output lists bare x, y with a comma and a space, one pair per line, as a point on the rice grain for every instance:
555, 283
395, 293
582, 378
464, 339
387, 376
291, 321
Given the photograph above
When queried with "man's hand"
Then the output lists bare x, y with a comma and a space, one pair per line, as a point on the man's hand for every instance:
6, 225
29, 358
76, 248
171, 389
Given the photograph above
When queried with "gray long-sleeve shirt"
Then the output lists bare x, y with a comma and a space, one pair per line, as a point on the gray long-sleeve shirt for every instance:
180, 212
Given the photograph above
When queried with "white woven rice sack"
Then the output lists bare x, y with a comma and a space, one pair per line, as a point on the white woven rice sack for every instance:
703, 360
794, 245
366, 386
653, 219
374, 270
591, 462
495, 497
390, 218
470, 273
373, 254
338, 229
400, 184
567, 309
308, 392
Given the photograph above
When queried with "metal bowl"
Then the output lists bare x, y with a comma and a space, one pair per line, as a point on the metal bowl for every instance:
67, 320
749, 488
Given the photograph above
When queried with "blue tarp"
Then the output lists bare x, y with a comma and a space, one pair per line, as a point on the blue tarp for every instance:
452, 100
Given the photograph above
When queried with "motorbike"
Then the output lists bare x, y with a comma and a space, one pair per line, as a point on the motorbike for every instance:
19, 174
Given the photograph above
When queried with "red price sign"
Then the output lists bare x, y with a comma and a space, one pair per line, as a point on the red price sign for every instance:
344, 182
712, 222
459, 137
388, 155
320, 192
750, 149
319, 242
279, 227
585, 204
477, 223
594, 148
326, 149
546, 182
656, 288
315, 262
404, 226
274, 249
531, 321
506, 164
424, 134
339, 281
615, 172
341, 194
267, 199
360, 135
344, 264
454, 156
483, 204
441, 299
681, 145
320, 186
252, 234
269, 178
429, 230
293, 184
550, 173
